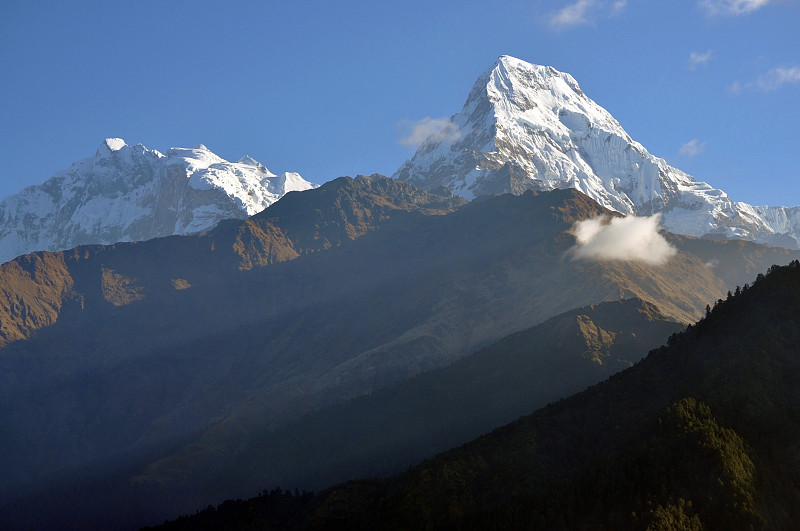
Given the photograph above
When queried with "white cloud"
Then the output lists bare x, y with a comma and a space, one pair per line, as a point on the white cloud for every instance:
697, 59
692, 148
769, 81
732, 7
572, 15
579, 13
777, 77
630, 239
429, 129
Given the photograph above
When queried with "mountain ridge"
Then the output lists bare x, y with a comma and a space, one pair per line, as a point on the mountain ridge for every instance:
130, 193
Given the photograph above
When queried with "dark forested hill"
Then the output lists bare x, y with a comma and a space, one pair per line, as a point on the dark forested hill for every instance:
386, 431
704, 433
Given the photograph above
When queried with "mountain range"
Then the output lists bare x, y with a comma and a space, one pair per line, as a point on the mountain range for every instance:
131, 193
202, 329
527, 126
523, 126
327, 295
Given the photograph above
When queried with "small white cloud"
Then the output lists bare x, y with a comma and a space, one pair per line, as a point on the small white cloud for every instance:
732, 7
432, 130
578, 13
629, 239
692, 148
697, 59
769, 81
778, 77
572, 15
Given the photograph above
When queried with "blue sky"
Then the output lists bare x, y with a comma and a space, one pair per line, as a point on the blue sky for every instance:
329, 88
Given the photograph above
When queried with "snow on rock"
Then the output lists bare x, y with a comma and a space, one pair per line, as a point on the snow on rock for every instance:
115, 144
130, 193
527, 126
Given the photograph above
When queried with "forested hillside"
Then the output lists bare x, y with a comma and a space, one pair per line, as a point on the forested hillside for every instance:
704, 433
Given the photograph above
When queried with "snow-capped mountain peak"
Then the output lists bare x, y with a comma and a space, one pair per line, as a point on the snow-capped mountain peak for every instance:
527, 126
128, 192
544, 97
114, 144
196, 158
250, 161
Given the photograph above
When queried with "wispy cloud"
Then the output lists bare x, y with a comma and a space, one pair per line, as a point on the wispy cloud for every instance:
429, 129
692, 148
770, 81
630, 239
735, 87
584, 12
778, 77
572, 15
732, 7
697, 59
618, 6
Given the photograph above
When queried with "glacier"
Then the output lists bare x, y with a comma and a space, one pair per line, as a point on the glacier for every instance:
131, 193
526, 126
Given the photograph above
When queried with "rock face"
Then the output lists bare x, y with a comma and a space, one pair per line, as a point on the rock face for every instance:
526, 126
130, 193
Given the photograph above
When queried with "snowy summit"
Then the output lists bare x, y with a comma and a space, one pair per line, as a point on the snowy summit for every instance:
527, 126
131, 193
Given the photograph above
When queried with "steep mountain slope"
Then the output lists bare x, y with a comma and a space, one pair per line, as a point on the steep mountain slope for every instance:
155, 360
390, 429
526, 126
37, 286
130, 193
704, 433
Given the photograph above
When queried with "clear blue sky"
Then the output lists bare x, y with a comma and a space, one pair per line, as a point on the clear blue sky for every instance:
328, 88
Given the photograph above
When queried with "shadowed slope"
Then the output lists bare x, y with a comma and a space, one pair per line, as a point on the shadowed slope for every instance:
386, 431
703, 433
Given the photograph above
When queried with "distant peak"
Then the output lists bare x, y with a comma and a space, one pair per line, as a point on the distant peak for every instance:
508, 61
510, 74
113, 144
110, 147
249, 161
510, 64
197, 157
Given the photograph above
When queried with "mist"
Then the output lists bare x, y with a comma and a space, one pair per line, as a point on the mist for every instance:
431, 130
